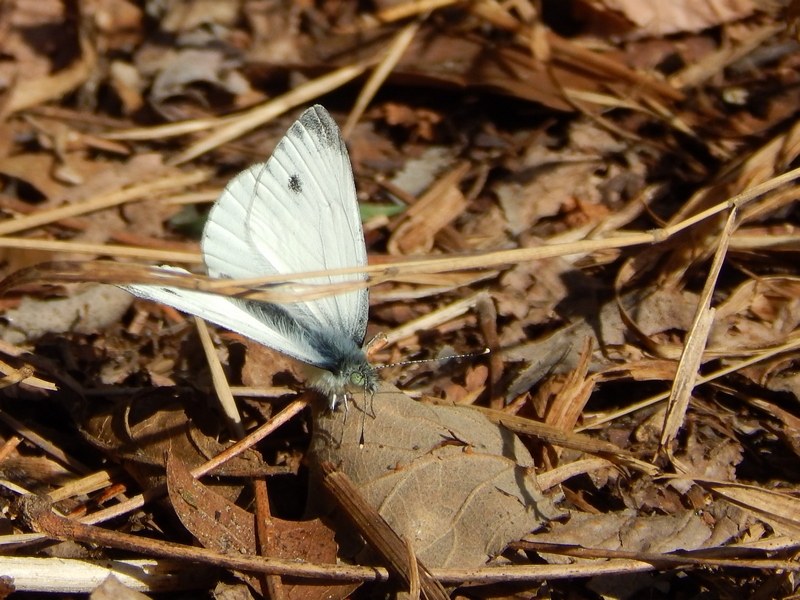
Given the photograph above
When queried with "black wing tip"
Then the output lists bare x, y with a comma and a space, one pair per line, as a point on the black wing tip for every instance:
317, 112
321, 124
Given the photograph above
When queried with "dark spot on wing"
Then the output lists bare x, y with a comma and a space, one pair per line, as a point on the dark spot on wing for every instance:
295, 184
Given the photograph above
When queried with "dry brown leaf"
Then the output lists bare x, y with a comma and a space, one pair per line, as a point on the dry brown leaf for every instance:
262, 366
628, 531
36, 29
419, 173
446, 59
641, 18
186, 15
718, 462
32, 469
665, 310
218, 524
456, 486
527, 201
34, 169
195, 67
143, 432
560, 351
141, 167
439, 206
113, 589
86, 311
780, 510
757, 314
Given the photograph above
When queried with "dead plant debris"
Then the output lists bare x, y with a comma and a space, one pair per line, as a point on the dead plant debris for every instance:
602, 192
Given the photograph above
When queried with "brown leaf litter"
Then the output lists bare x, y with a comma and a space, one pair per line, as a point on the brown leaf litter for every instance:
601, 192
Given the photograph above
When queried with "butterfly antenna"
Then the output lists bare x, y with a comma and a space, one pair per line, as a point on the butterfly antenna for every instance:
403, 363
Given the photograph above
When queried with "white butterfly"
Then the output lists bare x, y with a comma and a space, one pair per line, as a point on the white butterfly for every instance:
297, 212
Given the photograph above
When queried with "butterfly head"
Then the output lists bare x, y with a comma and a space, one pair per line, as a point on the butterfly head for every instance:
352, 374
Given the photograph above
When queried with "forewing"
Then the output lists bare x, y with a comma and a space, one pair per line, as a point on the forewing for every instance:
297, 212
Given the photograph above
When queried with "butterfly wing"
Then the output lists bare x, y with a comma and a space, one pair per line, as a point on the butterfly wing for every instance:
234, 314
297, 212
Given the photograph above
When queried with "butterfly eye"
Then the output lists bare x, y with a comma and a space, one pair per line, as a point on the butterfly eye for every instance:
357, 378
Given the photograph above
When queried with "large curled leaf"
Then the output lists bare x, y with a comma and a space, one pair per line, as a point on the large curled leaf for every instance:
458, 487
